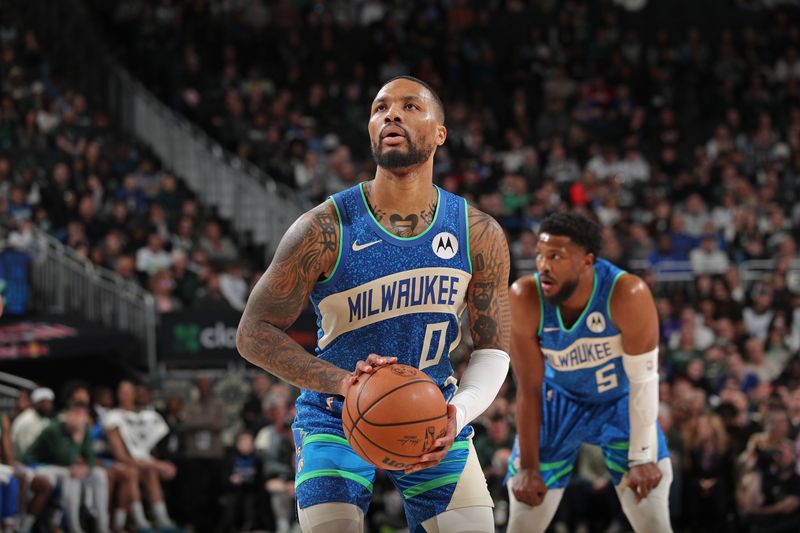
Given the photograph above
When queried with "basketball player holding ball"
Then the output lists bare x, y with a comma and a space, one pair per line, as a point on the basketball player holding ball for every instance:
585, 356
390, 265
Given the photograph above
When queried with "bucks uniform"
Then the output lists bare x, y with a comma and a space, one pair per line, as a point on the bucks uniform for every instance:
392, 296
585, 390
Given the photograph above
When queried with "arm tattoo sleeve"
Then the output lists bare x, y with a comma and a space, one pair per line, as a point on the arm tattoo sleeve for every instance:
487, 296
306, 252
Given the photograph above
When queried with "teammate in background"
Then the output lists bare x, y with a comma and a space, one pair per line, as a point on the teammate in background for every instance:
390, 266
585, 356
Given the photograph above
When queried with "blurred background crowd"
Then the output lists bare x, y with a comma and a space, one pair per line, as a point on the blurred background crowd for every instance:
676, 126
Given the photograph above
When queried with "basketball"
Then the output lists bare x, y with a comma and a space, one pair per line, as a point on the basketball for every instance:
393, 416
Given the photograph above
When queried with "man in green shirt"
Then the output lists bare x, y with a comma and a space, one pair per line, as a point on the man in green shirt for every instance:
63, 451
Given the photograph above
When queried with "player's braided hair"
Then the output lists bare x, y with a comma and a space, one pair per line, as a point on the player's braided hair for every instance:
578, 228
436, 98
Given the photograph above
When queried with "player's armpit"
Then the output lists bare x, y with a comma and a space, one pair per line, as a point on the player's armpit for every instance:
306, 253
487, 295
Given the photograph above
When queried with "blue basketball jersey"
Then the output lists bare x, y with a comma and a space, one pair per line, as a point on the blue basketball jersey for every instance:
393, 296
585, 360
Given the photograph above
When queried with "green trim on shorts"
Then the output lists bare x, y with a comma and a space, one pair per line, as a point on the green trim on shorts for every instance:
552, 466
558, 475
323, 437
460, 445
416, 490
331, 472
621, 445
543, 467
616, 467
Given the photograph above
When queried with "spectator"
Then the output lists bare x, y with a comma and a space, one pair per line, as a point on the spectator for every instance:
132, 435
162, 285
67, 444
252, 407
777, 508
187, 284
274, 445
152, 258
243, 486
218, 247
707, 483
759, 365
737, 376
202, 425
758, 316
708, 259
33, 506
210, 296
27, 426
233, 286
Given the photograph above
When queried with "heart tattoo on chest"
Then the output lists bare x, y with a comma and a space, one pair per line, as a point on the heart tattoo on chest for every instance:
404, 225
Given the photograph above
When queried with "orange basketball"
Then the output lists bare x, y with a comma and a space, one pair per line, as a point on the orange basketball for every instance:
393, 416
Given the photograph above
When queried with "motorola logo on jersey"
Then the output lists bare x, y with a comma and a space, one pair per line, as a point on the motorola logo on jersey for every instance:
445, 245
596, 322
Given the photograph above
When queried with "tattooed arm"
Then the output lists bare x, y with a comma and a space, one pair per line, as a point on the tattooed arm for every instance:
306, 253
487, 294
490, 324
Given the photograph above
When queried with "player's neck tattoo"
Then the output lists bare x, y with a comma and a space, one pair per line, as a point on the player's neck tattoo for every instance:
397, 223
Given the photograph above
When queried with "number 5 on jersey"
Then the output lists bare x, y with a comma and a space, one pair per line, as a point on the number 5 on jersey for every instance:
606, 378
427, 359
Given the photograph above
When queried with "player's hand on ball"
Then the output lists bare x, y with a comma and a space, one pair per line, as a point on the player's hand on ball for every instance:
643, 478
365, 367
528, 486
441, 446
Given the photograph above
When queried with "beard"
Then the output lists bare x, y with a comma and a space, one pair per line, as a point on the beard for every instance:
567, 289
395, 158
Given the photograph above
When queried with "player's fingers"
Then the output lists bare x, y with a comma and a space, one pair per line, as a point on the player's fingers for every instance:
363, 367
634, 486
524, 496
434, 456
379, 360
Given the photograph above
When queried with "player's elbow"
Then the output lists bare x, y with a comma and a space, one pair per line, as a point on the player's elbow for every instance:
243, 337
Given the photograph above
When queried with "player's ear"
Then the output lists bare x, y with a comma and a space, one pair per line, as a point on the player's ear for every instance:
441, 134
588, 260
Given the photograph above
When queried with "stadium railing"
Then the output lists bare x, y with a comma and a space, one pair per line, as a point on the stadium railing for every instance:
257, 206
65, 282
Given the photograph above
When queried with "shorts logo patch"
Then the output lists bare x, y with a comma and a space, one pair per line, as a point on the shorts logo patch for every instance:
445, 245
596, 322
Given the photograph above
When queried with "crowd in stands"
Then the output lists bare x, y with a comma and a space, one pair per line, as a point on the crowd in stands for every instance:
678, 130
66, 169
110, 461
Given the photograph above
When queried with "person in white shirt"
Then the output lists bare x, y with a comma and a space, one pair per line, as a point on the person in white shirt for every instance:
233, 286
708, 258
132, 435
153, 257
30, 422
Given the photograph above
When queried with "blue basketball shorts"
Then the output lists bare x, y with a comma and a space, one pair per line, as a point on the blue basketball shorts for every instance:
567, 423
328, 470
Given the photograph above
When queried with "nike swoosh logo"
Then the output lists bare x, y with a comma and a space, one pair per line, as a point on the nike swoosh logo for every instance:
551, 329
358, 247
